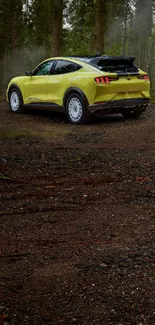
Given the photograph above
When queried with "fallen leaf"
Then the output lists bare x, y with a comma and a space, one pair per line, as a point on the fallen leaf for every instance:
48, 187
3, 317
142, 179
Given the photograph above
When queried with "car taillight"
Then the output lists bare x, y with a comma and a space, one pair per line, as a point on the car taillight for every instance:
144, 77
102, 80
106, 80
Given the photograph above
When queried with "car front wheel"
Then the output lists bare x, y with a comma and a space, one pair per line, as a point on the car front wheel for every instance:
77, 110
15, 101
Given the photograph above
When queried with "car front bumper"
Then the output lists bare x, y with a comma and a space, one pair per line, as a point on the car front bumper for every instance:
117, 106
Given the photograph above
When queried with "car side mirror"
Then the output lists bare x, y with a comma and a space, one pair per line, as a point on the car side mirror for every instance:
28, 73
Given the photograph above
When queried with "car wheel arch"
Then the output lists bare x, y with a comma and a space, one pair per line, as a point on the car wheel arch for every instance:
14, 86
15, 99
74, 90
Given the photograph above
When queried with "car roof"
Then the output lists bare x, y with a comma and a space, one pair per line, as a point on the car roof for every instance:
94, 60
74, 59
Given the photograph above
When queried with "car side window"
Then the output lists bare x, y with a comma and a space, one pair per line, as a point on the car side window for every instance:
63, 67
43, 69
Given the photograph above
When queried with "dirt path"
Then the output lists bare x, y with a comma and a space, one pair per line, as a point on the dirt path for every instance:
77, 220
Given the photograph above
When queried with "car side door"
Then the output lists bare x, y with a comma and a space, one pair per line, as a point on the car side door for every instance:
35, 86
60, 80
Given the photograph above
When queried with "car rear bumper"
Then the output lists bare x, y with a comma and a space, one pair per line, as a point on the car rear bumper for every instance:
118, 106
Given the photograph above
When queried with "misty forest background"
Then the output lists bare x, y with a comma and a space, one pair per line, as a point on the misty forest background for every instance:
33, 30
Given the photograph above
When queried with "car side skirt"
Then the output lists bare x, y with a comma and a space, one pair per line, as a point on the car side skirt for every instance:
46, 106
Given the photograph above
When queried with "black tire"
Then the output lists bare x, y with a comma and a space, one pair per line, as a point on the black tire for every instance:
77, 110
128, 114
15, 100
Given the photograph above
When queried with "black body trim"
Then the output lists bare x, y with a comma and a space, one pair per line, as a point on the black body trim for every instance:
74, 90
14, 86
45, 105
96, 58
127, 74
118, 105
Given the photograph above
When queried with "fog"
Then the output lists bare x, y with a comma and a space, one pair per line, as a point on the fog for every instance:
137, 39
26, 59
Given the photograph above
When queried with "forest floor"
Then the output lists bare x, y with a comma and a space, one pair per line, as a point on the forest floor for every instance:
77, 220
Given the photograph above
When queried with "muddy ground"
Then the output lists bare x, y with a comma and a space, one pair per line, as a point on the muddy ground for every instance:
77, 220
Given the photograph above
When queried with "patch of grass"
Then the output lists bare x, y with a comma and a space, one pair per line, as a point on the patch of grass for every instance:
17, 134
54, 132
153, 100
2, 95
13, 134
17, 126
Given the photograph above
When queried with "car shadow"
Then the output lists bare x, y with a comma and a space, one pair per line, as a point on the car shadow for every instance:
108, 119
58, 117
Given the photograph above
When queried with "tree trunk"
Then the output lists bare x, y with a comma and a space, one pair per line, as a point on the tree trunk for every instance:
100, 25
15, 26
143, 27
57, 28
14, 35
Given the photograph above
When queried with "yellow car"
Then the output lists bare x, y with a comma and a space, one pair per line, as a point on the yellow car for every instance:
82, 86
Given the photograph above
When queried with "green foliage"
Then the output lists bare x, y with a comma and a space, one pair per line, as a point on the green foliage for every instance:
29, 31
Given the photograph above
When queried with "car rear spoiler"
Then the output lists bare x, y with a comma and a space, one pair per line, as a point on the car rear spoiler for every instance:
113, 59
122, 65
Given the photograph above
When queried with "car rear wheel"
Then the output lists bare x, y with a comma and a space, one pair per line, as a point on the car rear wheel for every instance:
77, 110
128, 114
15, 101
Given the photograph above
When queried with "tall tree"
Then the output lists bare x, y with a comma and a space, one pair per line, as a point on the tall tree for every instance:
143, 30
41, 22
11, 25
15, 8
100, 25
57, 27
47, 24
36, 29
